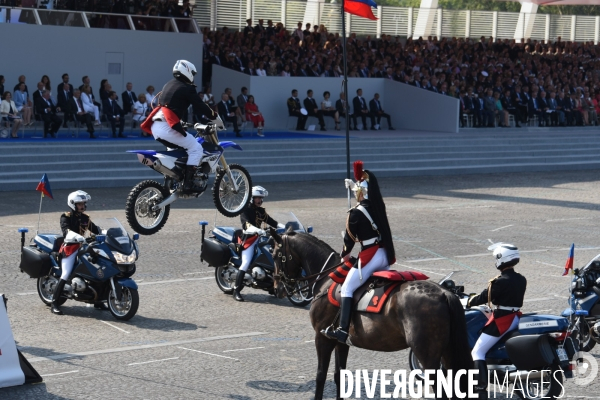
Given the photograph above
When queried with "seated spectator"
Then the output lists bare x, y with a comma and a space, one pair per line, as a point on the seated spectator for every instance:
104, 90
79, 113
511, 108
208, 97
260, 71
252, 114
88, 103
150, 96
286, 71
114, 113
46, 109
587, 100
140, 111
38, 93
295, 110
596, 102
47, 85
8, 110
501, 113
575, 111
552, 109
563, 107
378, 112
22, 79
24, 105
329, 111
521, 103
242, 99
489, 109
313, 110
361, 110
2, 80
340, 106
129, 98
227, 114
231, 104
536, 108
64, 94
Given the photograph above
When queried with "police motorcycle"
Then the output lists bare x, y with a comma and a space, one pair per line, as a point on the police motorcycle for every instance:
103, 270
221, 251
533, 357
584, 304
148, 204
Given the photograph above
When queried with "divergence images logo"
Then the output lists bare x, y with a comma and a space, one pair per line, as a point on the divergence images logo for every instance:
586, 368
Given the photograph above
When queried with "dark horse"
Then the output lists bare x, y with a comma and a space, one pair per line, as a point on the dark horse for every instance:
420, 315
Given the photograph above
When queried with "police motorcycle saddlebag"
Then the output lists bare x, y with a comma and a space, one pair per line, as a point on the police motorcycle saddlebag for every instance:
35, 262
215, 253
530, 352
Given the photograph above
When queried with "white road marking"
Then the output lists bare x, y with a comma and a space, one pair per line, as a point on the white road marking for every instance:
250, 348
26, 293
538, 299
420, 269
539, 311
552, 265
210, 354
199, 272
116, 327
566, 219
153, 361
61, 373
490, 240
424, 259
502, 227
562, 297
309, 341
174, 281
144, 346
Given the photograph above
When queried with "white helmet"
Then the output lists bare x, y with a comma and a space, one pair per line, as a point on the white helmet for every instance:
259, 191
506, 255
184, 68
77, 197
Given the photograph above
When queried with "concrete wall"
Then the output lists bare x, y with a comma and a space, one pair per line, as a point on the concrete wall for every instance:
147, 58
410, 107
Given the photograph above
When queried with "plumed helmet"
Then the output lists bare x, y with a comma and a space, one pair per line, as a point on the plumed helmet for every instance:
184, 69
259, 191
77, 197
505, 254
362, 180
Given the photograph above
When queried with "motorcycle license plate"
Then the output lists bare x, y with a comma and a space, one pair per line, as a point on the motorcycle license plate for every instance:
562, 354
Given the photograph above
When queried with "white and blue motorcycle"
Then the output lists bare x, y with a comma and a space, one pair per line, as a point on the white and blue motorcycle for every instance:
148, 203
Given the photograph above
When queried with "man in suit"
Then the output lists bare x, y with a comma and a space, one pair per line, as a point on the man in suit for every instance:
553, 108
38, 93
242, 99
564, 109
76, 109
535, 108
228, 114
64, 94
294, 107
65, 82
520, 101
469, 104
250, 70
47, 110
377, 111
489, 109
114, 113
129, 98
359, 104
508, 105
341, 105
313, 109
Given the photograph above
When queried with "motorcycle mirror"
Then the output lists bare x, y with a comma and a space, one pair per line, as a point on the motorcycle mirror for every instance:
310, 229
23, 230
100, 238
136, 236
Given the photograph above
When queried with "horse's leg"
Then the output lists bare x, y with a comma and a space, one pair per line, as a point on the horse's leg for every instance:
324, 348
341, 356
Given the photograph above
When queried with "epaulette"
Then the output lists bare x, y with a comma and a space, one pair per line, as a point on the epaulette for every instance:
67, 214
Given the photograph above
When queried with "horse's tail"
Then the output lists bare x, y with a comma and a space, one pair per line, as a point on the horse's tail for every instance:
460, 351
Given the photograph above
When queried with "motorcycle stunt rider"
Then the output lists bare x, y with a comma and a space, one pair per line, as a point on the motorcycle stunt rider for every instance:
164, 122
253, 220
506, 293
74, 224
367, 223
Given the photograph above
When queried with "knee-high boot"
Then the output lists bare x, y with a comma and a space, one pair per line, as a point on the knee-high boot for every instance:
188, 180
56, 295
482, 379
341, 333
239, 285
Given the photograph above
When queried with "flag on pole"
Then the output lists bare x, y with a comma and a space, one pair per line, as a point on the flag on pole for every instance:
361, 8
569, 264
44, 187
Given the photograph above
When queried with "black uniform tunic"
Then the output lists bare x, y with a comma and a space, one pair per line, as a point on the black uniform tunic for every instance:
256, 216
78, 223
359, 229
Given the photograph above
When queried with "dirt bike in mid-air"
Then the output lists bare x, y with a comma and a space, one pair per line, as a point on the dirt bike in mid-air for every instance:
148, 203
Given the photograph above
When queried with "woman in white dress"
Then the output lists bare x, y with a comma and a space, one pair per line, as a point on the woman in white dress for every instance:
261, 69
150, 96
88, 103
329, 110
140, 111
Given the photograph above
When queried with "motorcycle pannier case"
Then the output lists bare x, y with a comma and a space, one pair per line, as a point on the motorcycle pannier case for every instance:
34, 262
215, 254
530, 352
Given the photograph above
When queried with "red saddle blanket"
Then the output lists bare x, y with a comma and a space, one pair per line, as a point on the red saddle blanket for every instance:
373, 294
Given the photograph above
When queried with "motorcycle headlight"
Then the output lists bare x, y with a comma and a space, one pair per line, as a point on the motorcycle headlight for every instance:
573, 285
124, 259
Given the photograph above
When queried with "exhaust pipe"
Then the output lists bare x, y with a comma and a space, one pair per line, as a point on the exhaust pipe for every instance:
159, 167
167, 201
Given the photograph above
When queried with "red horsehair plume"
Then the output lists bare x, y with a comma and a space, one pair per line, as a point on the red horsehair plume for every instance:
358, 171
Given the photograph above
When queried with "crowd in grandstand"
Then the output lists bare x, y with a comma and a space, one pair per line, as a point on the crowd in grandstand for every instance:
555, 83
162, 8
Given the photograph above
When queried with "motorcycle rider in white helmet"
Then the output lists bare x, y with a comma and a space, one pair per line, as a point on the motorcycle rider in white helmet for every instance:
504, 294
164, 122
74, 225
254, 218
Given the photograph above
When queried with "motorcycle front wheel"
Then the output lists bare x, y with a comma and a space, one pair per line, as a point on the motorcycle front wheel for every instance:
125, 309
586, 342
45, 289
303, 297
231, 202
139, 207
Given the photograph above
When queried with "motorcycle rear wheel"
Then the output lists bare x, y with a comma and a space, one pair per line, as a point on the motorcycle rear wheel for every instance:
46, 291
230, 203
125, 309
138, 208
225, 285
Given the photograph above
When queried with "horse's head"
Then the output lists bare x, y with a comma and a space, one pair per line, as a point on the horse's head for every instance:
287, 266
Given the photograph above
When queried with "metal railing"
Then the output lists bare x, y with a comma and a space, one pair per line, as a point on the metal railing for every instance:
401, 21
34, 16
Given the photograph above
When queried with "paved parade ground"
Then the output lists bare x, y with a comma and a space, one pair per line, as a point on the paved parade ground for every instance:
190, 341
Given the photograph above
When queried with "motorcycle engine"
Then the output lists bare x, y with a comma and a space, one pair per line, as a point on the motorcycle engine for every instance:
258, 273
78, 284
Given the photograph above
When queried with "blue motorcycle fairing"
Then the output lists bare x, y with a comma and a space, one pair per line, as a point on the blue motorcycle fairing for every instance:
47, 241
91, 271
224, 233
227, 144
128, 283
586, 303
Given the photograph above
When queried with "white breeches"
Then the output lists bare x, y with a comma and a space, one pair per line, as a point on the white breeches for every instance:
247, 256
379, 262
162, 130
93, 110
485, 342
67, 264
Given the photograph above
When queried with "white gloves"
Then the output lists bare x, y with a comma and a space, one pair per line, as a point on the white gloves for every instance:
199, 127
280, 225
464, 301
73, 237
349, 184
253, 229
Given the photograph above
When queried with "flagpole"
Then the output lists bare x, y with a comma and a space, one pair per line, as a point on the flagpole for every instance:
40, 212
345, 84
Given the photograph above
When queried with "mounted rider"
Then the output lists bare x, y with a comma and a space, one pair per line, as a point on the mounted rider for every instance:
253, 218
367, 223
164, 122
74, 225
506, 293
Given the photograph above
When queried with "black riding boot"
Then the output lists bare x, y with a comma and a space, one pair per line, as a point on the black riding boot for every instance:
341, 333
188, 182
239, 285
99, 305
56, 295
482, 379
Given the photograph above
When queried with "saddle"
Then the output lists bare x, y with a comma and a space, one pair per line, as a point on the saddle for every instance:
371, 296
